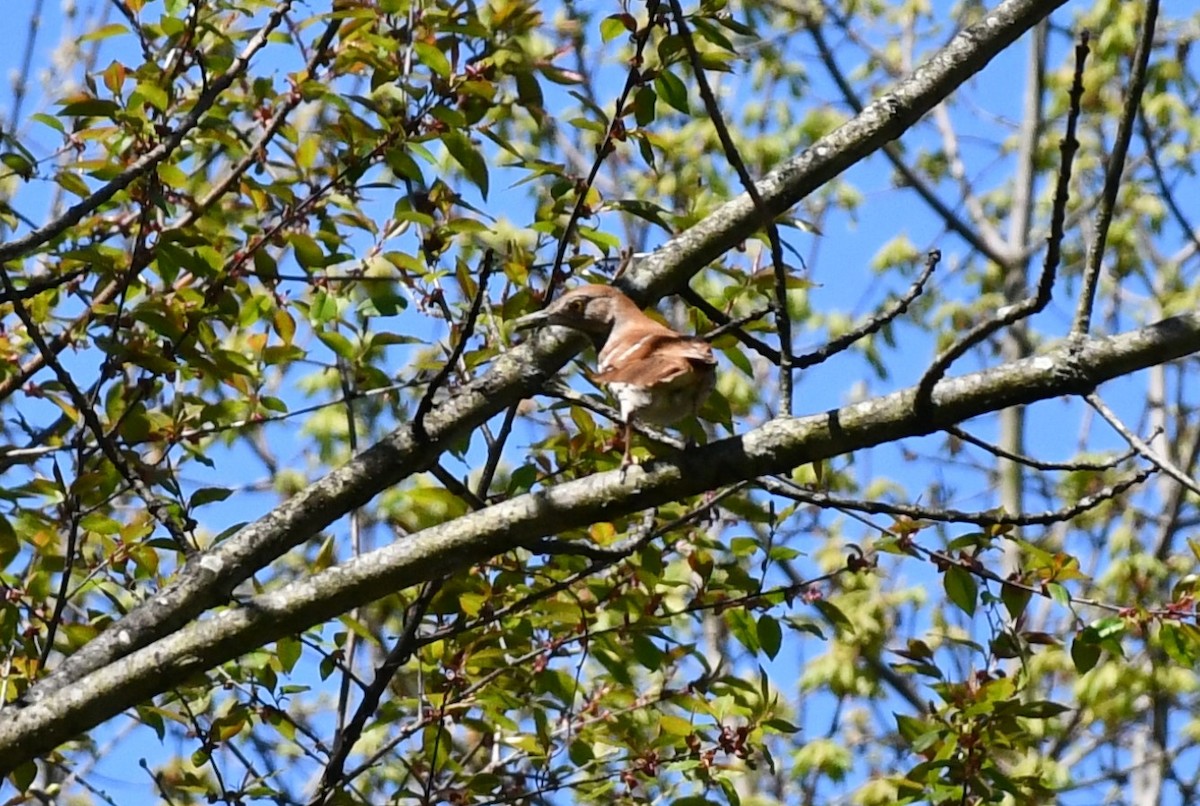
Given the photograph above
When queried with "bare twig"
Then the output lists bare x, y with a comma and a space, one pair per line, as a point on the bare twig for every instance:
736, 323
71, 506
632, 79
457, 487
727, 324
1037, 464
874, 323
793, 491
403, 649
468, 329
1033, 304
1166, 192
494, 452
1112, 172
783, 319
21, 82
1140, 445
990, 247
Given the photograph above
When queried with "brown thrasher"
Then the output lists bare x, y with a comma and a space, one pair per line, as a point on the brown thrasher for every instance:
658, 376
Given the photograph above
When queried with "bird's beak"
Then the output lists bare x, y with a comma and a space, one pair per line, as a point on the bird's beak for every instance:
532, 320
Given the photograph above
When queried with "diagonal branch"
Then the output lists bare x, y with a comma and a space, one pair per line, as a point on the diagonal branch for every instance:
783, 319
1114, 169
208, 580
1141, 446
35, 728
1011, 314
793, 491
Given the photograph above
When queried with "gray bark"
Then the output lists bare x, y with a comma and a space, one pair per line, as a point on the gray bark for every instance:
775, 447
161, 640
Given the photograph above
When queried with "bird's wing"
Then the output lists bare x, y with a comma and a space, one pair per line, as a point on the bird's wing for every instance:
660, 361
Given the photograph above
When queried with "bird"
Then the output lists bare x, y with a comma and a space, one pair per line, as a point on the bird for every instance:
657, 376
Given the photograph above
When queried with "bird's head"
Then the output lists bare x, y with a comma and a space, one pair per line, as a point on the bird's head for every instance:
593, 309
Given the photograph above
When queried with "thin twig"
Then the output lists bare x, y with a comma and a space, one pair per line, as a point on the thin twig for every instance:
1112, 172
876, 322
349, 394
40, 285
990, 247
456, 487
737, 322
1041, 298
793, 491
399, 654
1166, 193
633, 78
1037, 464
783, 319
494, 453
71, 505
468, 329
715, 314
1137, 443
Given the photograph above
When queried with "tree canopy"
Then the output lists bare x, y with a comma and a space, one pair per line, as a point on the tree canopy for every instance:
291, 515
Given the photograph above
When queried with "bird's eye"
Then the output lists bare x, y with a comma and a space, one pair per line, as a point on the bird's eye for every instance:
577, 305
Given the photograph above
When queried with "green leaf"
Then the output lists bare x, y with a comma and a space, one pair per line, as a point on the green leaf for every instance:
781, 725
467, 156
1103, 629
153, 93
208, 495
770, 635
961, 588
306, 154
309, 253
675, 725
743, 627
104, 32
338, 343
672, 90
1015, 600
172, 175
18, 164
433, 58
89, 108
73, 183
1041, 709
24, 775
613, 26
646, 653
9, 545
324, 308
835, 616
1181, 642
1084, 654
49, 120
1059, 593
643, 105
288, 652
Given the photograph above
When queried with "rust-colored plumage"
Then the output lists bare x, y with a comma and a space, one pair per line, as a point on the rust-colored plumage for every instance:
657, 375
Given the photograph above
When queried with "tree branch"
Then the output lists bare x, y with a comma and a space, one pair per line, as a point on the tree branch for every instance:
207, 580
774, 447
